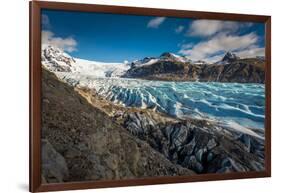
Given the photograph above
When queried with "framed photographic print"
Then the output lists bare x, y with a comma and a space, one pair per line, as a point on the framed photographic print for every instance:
123, 96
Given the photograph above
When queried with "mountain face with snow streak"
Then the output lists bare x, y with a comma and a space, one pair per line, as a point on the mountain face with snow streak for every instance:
165, 57
59, 62
144, 62
230, 57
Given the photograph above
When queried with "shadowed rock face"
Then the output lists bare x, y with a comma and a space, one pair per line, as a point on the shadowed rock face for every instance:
80, 142
201, 147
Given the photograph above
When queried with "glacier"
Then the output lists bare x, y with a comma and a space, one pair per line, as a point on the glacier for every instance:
228, 103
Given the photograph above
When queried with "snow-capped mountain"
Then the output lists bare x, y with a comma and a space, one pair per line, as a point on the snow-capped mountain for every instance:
228, 58
57, 61
166, 56
144, 62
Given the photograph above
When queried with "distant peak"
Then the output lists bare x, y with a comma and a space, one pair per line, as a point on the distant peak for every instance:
56, 60
126, 62
229, 57
167, 55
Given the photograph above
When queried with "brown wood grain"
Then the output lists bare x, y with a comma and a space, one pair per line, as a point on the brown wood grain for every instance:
35, 94
35, 97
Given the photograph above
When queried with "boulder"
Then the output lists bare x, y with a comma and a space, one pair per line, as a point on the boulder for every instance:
54, 167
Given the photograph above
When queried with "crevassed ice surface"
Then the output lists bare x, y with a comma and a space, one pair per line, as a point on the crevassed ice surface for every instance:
232, 103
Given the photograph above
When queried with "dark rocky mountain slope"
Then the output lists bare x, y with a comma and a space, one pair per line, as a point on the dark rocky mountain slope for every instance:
230, 69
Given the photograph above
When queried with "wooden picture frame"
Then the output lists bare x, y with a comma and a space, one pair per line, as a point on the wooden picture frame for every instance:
35, 94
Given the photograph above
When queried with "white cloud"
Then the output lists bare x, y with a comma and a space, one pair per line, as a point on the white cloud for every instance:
187, 46
210, 50
205, 28
179, 29
68, 44
155, 22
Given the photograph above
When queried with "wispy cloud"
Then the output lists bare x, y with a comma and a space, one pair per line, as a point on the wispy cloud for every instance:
211, 49
210, 27
206, 28
186, 46
45, 21
155, 22
179, 29
68, 44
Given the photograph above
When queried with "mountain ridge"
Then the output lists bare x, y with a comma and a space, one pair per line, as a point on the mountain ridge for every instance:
168, 67
230, 69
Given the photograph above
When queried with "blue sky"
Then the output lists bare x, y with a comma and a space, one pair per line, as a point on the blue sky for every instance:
116, 38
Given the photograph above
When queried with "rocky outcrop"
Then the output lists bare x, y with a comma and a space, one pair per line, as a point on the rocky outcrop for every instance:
53, 164
80, 142
203, 148
158, 68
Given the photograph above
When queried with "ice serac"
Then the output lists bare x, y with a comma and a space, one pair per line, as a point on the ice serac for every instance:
234, 104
